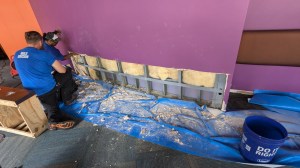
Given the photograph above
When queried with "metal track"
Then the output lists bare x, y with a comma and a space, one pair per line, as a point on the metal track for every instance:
217, 90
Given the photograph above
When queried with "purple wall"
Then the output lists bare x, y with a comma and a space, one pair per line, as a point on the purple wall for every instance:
269, 15
273, 14
249, 77
193, 34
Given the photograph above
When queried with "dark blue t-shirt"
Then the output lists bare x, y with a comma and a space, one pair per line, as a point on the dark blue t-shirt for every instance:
54, 51
34, 67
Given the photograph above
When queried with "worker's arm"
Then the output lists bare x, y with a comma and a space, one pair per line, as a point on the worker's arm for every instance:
58, 67
68, 56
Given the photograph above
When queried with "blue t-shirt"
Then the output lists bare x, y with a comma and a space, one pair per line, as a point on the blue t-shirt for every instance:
34, 67
54, 51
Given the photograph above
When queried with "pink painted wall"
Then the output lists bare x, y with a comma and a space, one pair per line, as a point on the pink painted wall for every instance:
269, 15
193, 34
273, 14
250, 77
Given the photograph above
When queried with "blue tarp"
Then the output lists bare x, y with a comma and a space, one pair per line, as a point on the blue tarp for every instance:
178, 124
272, 92
281, 100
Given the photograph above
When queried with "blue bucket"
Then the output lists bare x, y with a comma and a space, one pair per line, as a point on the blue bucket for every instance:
262, 138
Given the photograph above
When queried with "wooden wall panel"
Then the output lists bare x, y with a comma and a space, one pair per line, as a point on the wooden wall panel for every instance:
274, 47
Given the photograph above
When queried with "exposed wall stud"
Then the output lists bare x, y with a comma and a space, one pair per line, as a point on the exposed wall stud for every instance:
103, 75
180, 81
85, 63
165, 89
218, 89
146, 74
137, 83
124, 78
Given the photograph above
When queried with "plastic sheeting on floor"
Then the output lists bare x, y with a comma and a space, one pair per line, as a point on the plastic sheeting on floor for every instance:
177, 124
275, 99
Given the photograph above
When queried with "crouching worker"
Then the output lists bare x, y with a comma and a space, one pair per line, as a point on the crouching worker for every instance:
64, 81
35, 67
50, 40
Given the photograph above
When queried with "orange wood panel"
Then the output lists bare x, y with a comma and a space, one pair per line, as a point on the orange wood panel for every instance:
270, 47
16, 17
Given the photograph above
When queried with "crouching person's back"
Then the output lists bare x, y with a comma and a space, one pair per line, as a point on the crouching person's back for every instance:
35, 68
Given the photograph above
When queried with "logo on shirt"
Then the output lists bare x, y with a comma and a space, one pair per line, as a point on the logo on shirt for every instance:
23, 55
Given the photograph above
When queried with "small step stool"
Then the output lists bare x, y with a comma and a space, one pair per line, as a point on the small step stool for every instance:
21, 112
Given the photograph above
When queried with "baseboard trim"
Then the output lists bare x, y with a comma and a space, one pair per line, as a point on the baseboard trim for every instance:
246, 92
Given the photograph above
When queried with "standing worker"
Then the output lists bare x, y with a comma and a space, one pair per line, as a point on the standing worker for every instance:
35, 66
